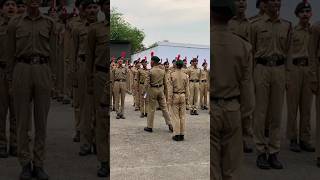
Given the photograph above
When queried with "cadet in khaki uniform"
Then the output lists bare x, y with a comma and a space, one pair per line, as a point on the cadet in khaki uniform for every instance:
155, 85
299, 90
85, 100
73, 23
30, 68
232, 74
119, 80
135, 86
194, 76
315, 57
204, 77
271, 37
239, 24
98, 74
9, 9
178, 95
142, 75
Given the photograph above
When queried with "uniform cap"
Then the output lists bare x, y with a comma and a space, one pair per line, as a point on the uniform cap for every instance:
4, 1
155, 59
88, 2
179, 62
101, 2
302, 5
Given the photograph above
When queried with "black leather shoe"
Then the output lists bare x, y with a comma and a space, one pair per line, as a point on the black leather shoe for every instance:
40, 174
307, 147
142, 115
176, 138
274, 162
122, 116
118, 116
104, 170
85, 150
148, 129
246, 148
318, 162
181, 137
76, 137
262, 161
13, 151
26, 173
146, 115
195, 112
206, 108
3, 152
191, 112
170, 128
294, 146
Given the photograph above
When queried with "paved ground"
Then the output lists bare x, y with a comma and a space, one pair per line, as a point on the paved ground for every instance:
63, 161
139, 155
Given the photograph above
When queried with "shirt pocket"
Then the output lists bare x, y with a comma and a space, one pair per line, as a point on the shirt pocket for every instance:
264, 38
22, 40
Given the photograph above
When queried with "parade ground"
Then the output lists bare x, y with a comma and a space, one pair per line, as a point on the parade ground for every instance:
139, 155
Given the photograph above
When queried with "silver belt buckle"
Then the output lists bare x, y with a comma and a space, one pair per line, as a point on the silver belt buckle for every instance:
35, 60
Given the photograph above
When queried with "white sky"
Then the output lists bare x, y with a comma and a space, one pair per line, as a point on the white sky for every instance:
182, 21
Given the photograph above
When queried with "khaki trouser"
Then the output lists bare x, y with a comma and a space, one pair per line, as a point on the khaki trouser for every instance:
194, 95
299, 94
119, 91
6, 103
143, 101
203, 94
31, 84
102, 118
157, 95
86, 107
225, 141
178, 110
136, 94
270, 88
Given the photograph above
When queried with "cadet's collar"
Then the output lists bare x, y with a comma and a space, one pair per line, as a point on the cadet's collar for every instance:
266, 18
300, 27
243, 18
27, 15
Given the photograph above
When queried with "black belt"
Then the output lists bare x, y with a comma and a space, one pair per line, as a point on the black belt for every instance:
217, 99
82, 58
194, 80
33, 60
270, 61
300, 61
156, 86
3, 65
203, 80
101, 69
141, 82
120, 80
178, 92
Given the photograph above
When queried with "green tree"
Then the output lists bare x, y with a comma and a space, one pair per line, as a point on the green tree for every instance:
122, 30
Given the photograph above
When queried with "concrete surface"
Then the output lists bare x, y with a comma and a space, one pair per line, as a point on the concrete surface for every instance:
139, 155
63, 161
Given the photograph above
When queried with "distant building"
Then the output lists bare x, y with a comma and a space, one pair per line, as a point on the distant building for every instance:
166, 49
117, 47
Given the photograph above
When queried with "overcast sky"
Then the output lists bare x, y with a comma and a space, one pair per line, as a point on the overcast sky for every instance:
185, 21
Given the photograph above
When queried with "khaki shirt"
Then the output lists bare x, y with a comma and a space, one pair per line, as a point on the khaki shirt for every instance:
204, 75
29, 37
98, 46
156, 77
142, 75
255, 18
315, 47
3, 39
240, 27
269, 38
179, 83
194, 73
231, 72
120, 74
